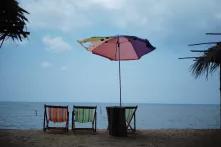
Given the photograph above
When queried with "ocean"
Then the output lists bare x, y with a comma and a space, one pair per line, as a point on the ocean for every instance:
29, 115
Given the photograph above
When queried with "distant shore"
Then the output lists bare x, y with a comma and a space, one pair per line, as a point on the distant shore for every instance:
143, 138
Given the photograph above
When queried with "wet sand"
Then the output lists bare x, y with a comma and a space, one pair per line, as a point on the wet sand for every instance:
143, 138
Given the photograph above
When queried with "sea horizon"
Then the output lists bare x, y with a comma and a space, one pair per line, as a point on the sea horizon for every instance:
29, 115
117, 103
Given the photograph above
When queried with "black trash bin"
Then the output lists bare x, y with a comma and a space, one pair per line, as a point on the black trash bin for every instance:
116, 121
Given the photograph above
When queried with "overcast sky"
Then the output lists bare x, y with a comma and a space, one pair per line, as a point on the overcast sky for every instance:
52, 66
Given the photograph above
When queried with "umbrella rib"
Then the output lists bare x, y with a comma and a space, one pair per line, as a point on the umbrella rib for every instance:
82, 44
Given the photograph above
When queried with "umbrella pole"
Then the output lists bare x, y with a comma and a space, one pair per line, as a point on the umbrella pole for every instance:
220, 96
120, 81
119, 68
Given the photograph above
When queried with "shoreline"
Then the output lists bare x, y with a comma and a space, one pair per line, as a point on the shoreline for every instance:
142, 138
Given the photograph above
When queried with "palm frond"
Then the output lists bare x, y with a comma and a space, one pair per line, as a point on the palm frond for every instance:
208, 62
12, 21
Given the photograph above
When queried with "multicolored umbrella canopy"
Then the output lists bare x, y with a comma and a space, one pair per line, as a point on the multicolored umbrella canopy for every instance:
117, 48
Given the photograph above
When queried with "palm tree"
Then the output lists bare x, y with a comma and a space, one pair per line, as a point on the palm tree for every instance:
207, 63
12, 21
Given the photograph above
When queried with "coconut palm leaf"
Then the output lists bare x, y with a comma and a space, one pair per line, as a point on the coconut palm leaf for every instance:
12, 21
208, 62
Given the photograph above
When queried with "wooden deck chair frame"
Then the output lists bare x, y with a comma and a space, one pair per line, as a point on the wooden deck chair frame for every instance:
130, 127
46, 121
94, 122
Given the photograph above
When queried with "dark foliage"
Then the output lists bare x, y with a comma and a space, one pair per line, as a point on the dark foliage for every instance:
208, 62
12, 21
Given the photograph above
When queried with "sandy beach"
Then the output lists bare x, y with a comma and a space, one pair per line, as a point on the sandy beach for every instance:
143, 138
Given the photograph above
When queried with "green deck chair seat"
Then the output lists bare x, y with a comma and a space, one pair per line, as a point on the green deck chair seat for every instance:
84, 114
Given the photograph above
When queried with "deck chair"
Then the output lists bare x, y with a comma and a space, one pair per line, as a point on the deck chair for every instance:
130, 114
56, 114
84, 114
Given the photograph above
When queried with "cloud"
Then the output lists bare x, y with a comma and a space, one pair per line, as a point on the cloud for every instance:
56, 44
63, 68
61, 15
46, 64
163, 20
107, 4
70, 14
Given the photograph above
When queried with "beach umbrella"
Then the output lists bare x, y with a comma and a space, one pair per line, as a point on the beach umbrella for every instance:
117, 48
